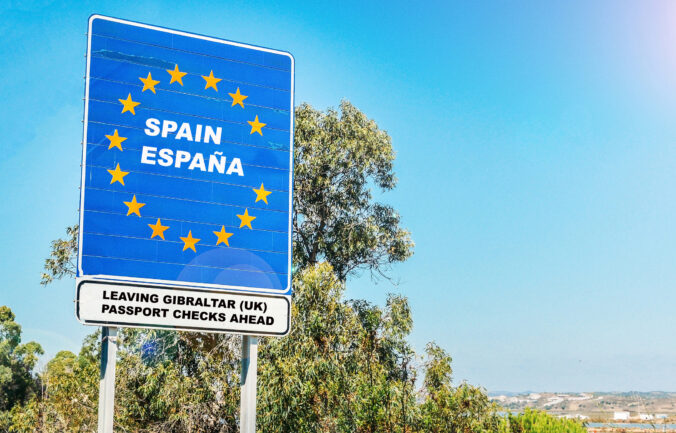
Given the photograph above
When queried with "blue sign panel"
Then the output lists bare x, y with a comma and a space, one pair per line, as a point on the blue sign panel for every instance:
187, 160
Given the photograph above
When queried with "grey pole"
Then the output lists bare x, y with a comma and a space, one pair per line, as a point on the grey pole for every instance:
249, 376
107, 381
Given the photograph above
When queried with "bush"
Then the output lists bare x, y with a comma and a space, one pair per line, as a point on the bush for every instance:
533, 421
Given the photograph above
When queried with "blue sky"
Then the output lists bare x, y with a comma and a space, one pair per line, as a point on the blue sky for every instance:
536, 150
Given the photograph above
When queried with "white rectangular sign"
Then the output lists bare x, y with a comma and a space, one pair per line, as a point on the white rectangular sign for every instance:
153, 306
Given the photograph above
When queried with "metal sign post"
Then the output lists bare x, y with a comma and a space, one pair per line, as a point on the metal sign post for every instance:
248, 380
107, 382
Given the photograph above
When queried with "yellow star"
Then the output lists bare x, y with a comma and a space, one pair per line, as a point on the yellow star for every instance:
246, 219
256, 126
262, 194
115, 140
118, 175
176, 75
223, 236
237, 98
211, 81
148, 83
129, 105
158, 229
189, 242
134, 206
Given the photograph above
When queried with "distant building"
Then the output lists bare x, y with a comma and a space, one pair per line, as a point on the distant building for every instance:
646, 417
622, 415
661, 416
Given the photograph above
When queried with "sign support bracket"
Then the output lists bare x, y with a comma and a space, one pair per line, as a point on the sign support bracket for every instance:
248, 381
107, 379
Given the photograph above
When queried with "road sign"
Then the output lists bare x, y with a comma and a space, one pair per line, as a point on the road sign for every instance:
185, 208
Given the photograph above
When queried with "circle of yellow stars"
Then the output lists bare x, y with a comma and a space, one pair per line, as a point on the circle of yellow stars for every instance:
118, 175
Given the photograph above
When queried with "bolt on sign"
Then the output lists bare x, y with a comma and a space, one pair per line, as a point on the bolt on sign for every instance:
185, 207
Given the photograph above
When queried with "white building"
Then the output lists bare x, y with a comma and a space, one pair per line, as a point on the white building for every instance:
646, 417
622, 415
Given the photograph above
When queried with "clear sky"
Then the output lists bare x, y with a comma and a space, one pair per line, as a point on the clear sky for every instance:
536, 148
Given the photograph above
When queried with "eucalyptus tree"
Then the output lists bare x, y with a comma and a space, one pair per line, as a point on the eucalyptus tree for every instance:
340, 155
447, 408
17, 361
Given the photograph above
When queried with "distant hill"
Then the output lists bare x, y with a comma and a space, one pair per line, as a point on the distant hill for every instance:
595, 405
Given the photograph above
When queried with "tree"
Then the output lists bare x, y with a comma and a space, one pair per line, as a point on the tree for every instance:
17, 361
339, 156
307, 374
71, 386
178, 382
62, 259
68, 398
344, 368
445, 408
437, 408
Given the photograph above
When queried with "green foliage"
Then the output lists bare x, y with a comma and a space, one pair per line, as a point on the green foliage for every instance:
339, 155
17, 383
307, 371
68, 400
344, 368
178, 382
447, 409
61, 261
533, 421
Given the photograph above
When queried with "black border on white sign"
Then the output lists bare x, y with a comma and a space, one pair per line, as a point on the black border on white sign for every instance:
180, 328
